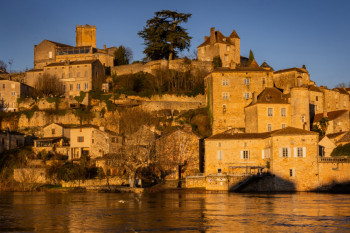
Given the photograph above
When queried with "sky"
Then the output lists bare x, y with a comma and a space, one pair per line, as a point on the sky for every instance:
283, 33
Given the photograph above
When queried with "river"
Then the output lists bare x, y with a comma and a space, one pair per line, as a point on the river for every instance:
174, 212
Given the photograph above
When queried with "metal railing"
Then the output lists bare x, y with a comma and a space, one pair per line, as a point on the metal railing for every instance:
334, 160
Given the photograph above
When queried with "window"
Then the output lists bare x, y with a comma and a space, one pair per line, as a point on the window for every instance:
114, 140
283, 112
245, 154
78, 74
80, 139
62, 75
246, 95
246, 81
225, 82
226, 57
316, 107
291, 173
269, 127
220, 155
53, 131
303, 118
299, 152
219, 170
3, 86
344, 104
283, 126
227, 48
263, 81
71, 87
86, 73
316, 98
13, 93
269, 111
224, 108
225, 95
219, 144
86, 86
50, 54
78, 87
92, 140
285, 152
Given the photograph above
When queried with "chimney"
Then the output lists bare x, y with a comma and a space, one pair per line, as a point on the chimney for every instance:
212, 35
325, 114
104, 47
254, 97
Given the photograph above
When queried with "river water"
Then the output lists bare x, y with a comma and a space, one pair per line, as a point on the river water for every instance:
174, 212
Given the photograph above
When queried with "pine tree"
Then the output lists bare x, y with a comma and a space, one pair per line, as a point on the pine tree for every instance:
251, 56
163, 36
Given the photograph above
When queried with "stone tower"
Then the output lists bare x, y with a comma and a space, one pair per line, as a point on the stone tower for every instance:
300, 110
86, 35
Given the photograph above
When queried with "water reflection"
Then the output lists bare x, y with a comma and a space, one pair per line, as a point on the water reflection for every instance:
178, 212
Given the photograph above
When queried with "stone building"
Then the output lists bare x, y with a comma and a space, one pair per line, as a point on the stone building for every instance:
227, 48
10, 92
47, 52
335, 99
179, 148
230, 90
338, 121
292, 77
289, 154
10, 140
75, 76
75, 141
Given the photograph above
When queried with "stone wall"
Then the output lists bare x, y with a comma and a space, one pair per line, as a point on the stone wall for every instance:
181, 65
96, 182
331, 173
30, 175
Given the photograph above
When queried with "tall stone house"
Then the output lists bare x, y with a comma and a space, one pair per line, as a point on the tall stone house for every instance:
227, 48
11, 92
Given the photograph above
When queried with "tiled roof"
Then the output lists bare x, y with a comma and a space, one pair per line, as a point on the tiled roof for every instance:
234, 34
271, 95
330, 115
265, 65
59, 44
334, 135
341, 91
345, 138
11, 132
281, 132
291, 69
233, 136
71, 63
314, 88
292, 131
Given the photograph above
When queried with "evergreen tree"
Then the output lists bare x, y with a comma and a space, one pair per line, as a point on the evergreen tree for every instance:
122, 56
163, 36
217, 62
251, 56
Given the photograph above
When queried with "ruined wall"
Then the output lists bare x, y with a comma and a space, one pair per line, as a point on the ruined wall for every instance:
331, 173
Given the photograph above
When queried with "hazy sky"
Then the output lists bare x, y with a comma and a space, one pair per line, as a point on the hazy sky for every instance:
283, 33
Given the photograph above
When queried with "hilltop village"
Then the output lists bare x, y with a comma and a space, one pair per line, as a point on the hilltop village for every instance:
76, 119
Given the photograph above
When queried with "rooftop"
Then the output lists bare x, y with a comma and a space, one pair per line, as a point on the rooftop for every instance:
330, 115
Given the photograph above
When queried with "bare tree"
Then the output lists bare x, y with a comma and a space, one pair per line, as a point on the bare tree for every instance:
3, 66
10, 63
48, 85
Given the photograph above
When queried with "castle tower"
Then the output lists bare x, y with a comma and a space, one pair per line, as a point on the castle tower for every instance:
86, 35
300, 110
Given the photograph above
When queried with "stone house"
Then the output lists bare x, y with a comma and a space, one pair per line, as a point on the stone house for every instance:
47, 52
229, 91
179, 148
338, 121
75, 76
293, 77
92, 141
335, 99
267, 112
10, 140
227, 48
326, 146
316, 98
290, 154
10, 92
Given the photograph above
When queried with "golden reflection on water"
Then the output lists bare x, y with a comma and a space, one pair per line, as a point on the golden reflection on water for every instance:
174, 212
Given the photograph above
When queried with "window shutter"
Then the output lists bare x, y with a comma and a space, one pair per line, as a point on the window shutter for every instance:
304, 152
77, 139
241, 154
289, 152
295, 151
281, 152
263, 153
248, 154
